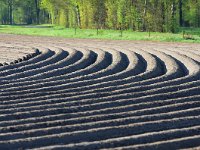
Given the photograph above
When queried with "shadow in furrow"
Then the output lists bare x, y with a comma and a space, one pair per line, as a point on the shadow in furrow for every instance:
42, 67
62, 71
25, 60
14, 71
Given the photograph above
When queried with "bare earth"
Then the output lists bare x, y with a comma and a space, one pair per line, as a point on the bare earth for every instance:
60, 93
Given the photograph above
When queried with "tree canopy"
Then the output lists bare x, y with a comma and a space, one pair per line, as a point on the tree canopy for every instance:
141, 15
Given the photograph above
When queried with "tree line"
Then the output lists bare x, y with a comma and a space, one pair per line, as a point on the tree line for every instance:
140, 15
22, 12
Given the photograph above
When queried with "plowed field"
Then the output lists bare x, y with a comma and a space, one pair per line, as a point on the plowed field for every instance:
90, 94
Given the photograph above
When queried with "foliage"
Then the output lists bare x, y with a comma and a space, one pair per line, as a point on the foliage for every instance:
140, 15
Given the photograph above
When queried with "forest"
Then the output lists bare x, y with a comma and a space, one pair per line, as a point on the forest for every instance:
136, 15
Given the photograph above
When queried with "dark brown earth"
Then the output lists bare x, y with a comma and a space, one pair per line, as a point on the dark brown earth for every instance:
60, 93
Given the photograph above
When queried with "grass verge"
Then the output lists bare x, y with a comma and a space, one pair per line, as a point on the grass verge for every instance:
57, 31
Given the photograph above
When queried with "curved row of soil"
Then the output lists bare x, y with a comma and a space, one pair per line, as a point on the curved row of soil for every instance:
81, 94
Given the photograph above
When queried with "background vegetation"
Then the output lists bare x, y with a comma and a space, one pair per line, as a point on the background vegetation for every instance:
136, 15
159, 20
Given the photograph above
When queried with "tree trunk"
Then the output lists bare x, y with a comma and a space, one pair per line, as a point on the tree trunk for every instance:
181, 13
2, 22
37, 11
163, 16
144, 16
173, 15
30, 19
10, 10
197, 14
11, 14
78, 20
